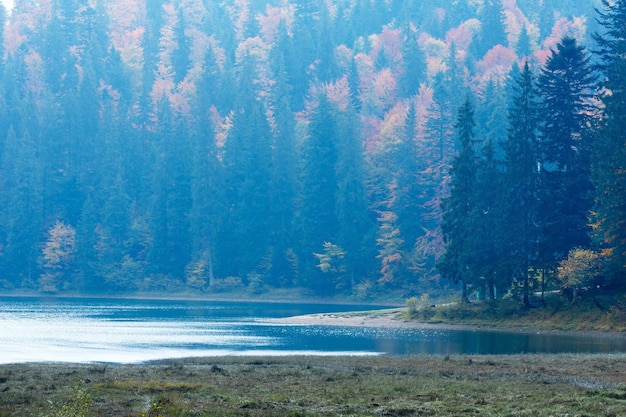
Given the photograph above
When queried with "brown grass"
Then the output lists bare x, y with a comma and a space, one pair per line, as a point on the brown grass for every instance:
518, 385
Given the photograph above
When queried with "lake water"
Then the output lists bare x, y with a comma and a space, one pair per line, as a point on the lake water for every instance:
128, 331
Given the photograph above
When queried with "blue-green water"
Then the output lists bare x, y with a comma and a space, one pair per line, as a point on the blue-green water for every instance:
125, 331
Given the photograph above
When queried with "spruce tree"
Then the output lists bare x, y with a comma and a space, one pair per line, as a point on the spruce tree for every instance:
318, 218
521, 181
609, 152
409, 200
566, 85
459, 209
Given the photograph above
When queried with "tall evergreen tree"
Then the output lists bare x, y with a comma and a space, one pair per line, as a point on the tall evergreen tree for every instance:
566, 85
22, 211
318, 219
283, 177
492, 30
354, 234
459, 262
521, 180
409, 200
181, 61
609, 153
413, 64
245, 238
171, 196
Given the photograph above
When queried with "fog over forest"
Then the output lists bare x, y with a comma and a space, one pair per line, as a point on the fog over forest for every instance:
346, 148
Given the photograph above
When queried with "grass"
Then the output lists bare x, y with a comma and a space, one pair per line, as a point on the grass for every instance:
519, 385
599, 313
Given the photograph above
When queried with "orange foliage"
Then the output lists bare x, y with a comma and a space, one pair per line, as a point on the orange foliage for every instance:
388, 42
563, 27
271, 21
338, 93
35, 73
381, 93
463, 34
239, 13
494, 67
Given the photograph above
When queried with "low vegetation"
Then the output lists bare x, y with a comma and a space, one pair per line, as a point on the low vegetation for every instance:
527, 385
553, 312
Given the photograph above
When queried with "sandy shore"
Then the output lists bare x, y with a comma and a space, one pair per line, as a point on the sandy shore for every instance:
394, 318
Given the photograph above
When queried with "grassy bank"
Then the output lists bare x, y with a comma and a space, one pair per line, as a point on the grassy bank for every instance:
597, 313
532, 385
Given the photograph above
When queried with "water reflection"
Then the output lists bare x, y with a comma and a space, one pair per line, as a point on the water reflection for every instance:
79, 330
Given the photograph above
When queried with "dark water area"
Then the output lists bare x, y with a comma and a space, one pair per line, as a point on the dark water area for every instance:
128, 331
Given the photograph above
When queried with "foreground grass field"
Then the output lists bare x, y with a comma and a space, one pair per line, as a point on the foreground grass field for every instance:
522, 385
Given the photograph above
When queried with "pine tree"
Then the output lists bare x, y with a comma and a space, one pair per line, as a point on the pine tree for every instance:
609, 153
565, 84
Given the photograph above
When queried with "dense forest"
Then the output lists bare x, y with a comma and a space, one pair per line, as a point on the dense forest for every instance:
343, 147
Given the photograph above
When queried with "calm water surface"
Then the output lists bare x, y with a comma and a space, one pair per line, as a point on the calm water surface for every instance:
126, 331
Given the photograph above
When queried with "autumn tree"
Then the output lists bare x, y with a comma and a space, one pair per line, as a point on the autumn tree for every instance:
58, 255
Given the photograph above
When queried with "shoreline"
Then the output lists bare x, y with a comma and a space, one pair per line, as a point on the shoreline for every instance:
392, 318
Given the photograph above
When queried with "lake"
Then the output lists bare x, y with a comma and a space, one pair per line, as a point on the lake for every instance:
132, 331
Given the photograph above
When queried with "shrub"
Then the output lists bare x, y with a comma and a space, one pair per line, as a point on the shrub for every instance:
412, 306
78, 405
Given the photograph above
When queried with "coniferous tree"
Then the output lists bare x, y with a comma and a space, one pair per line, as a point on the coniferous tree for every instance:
459, 208
524, 47
609, 151
171, 196
283, 177
489, 214
181, 61
245, 234
22, 211
354, 234
565, 84
492, 30
413, 64
409, 200
521, 179
318, 220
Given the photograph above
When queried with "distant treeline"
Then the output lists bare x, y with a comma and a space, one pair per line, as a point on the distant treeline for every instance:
344, 147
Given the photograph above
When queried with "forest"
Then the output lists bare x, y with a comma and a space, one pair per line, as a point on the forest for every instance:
345, 148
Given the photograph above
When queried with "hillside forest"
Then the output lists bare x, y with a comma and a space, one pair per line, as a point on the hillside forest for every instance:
347, 148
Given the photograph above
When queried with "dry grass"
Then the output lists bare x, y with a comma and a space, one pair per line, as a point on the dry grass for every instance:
519, 385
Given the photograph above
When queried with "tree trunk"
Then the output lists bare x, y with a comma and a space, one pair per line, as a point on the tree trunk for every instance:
526, 290
464, 298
